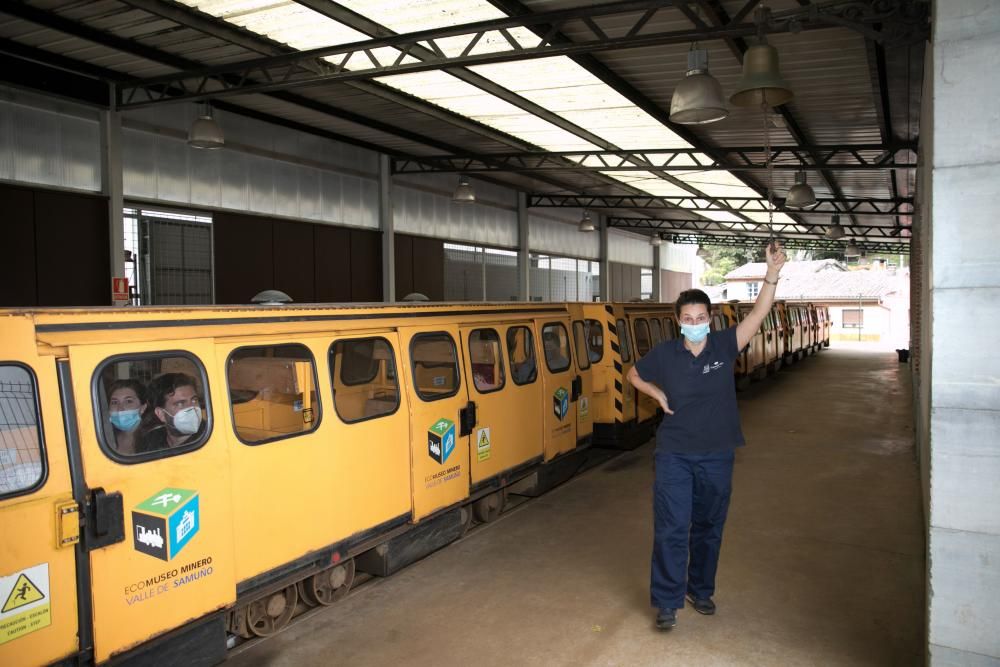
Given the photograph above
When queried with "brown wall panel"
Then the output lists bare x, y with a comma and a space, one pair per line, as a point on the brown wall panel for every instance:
428, 267
366, 266
244, 257
404, 265
294, 260
18, 286
333, 263
72, 249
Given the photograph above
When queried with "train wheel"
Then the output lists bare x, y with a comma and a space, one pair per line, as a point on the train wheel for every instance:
488, 508
467, 516
327, 586
266, 615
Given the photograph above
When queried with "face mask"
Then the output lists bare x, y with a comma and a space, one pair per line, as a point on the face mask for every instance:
695, 333
187, 420
125, 420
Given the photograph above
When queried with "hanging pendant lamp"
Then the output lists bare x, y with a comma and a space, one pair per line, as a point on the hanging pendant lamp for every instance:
464, 194
703, 252
801, 195
586, 224
698, 97
852, 249
205, 133
655, 240
761, 83
835, 231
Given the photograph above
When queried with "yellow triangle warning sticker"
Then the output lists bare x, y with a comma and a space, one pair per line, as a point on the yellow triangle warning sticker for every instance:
484, 440
24, 592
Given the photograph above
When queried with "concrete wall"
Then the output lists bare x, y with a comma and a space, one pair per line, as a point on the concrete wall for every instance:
672, 283
964, 529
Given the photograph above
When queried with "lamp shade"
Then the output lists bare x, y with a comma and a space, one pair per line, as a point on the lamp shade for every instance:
586, 224
835, 231
852, 249
655, 240
464, 194
761, 82
698, 97
801, 195
205, 133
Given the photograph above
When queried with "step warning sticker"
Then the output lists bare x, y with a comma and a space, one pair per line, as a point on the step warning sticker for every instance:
483, 444
26, 604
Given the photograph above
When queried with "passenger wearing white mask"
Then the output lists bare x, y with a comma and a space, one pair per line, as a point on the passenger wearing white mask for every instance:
126, 407
177, 415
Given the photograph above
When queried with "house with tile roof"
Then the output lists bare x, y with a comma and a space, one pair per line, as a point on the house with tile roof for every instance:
870, 304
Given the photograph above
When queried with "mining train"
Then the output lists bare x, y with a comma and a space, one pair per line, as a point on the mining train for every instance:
177, 480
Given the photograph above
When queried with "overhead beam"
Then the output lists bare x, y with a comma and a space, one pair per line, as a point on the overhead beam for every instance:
792, 244
482, 42
859, 157
804, 229
902, 206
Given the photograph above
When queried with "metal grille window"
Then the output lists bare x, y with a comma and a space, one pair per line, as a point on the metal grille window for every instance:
625, 341
521, 350
273, 392
580, 340
642, 339
555, 342
595, 341
645, 283
854, 318
669, 332
171, 257
22, 465
364, 379
657, 332
555, 278
478, 273
486, 360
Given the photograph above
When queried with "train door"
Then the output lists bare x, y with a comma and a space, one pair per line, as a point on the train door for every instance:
441, 417
506, 395
645, 405
584, 414
40, 519
560, 383
627, 352
161, 543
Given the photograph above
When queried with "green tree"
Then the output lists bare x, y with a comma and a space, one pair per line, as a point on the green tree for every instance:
723, 259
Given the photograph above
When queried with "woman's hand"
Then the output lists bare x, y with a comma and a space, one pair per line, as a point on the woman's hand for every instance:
776, 257
661, 398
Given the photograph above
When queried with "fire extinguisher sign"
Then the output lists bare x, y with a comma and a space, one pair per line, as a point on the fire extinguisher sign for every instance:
119, 289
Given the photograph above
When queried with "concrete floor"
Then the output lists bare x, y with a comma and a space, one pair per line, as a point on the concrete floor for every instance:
822, 561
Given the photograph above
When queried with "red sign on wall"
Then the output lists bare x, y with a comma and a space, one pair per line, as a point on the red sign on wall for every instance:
119, 289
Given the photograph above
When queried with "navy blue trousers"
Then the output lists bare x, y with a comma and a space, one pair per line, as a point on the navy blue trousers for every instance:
690, 501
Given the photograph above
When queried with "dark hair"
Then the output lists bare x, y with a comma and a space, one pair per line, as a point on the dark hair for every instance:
166, 384
134, 385
691, 297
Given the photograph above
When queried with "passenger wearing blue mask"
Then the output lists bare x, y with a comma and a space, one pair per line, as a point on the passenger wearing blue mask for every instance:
692, 380
177, 417
126, 406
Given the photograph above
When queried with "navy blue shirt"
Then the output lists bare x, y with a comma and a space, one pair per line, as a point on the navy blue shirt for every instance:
700, 390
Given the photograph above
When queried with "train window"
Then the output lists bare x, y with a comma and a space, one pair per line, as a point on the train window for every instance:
625, 341
654, 324
580, 340
151, 405
435, 366
486, 360
642, 344
22, 464
273, 392
719, 322
521, 351
668, 329
595, 341
555, 342
364, 379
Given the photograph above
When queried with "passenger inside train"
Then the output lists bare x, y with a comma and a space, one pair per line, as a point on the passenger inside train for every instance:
127, 405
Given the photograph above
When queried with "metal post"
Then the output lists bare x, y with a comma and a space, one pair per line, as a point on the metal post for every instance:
388, 227
602, 258
484, 273
523, 252
861, 318
657, 259
111, 186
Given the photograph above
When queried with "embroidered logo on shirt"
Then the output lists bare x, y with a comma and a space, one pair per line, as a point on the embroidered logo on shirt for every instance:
712, 367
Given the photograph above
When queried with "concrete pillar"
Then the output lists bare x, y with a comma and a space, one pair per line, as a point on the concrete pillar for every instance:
602, 258
961, 269
388, 227
111, 186
523, 254
655, 296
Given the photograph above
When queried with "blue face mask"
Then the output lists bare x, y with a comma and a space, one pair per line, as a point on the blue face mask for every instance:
125, 420
695, 333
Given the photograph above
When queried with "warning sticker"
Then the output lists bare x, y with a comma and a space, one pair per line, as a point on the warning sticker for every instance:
26, 604
483, 444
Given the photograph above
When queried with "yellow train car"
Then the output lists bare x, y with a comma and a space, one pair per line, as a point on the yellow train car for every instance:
175, 478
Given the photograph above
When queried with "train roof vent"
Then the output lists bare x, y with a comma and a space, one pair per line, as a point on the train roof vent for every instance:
271, 297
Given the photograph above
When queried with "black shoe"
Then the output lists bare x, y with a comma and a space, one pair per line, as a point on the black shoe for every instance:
706, 606
666, 619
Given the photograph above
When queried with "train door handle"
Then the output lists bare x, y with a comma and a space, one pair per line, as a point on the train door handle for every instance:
467, 419
105, 519
577, 388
